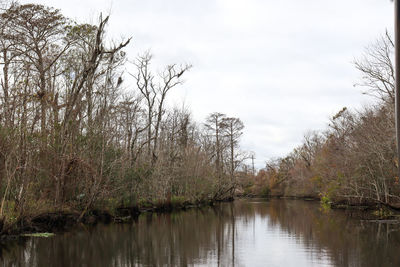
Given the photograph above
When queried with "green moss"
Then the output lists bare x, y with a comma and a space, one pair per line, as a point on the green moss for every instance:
144, 203
10, 214
247, 190
383, 213
325, 202
177, 201
39, 235
265, 192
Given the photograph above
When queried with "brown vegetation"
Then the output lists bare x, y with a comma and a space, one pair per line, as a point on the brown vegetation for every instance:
354, 160
75, 137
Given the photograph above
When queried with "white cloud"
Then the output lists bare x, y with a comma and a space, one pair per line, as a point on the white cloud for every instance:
282, 66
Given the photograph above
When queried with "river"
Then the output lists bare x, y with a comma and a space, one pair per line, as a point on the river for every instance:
243, 233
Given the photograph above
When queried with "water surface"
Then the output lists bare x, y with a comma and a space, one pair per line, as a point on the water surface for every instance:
243, 233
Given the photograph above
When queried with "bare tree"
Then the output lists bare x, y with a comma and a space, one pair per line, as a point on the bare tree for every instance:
233, 131
216, 126
154, 92
376, 66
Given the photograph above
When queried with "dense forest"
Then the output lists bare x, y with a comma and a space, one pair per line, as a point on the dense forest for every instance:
75, 136
354, 160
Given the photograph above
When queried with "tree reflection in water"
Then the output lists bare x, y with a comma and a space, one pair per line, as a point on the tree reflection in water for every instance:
243, 233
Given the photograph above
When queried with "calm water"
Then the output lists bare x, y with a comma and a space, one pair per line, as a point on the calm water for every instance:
243, 233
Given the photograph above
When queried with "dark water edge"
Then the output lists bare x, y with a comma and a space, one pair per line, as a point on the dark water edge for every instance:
243, 233
62, 221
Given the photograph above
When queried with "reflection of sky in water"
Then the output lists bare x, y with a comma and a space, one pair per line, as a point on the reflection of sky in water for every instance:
260, 243
264, 244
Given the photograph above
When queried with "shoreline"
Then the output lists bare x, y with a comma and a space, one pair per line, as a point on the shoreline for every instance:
368, 212
63, 221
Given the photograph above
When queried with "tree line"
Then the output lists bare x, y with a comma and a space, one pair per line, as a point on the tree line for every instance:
75, 135
354, 160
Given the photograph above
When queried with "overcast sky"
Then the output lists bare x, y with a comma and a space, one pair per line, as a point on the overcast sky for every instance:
282, 66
